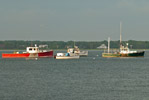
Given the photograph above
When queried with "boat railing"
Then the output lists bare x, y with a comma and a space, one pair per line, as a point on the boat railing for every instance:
111, 51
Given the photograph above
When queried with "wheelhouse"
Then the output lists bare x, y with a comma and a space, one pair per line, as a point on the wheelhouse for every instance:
32, 49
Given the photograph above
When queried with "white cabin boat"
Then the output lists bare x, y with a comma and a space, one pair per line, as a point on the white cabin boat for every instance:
66, 56
77, 51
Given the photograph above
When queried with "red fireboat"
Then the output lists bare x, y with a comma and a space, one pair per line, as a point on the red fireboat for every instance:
31, 52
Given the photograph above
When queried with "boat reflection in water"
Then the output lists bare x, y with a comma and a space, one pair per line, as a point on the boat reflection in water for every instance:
32, 58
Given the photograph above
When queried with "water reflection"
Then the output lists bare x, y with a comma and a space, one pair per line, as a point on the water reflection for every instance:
31, 58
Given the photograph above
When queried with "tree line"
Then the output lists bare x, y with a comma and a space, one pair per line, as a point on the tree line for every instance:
20, 44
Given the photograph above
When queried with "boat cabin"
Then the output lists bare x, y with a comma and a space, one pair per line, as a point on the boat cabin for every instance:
32, 49
126, 50
70, 50
73, 50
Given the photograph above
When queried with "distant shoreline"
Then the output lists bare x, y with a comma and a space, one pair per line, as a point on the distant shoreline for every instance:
61, 45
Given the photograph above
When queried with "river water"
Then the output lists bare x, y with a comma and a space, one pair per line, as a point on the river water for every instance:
87, 78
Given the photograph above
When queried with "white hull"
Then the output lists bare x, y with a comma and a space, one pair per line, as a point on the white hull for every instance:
83, 53
67, 57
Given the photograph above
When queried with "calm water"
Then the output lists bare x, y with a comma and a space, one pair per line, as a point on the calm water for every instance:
88, 78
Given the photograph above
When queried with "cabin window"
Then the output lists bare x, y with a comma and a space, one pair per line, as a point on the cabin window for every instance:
34, 49
30, 49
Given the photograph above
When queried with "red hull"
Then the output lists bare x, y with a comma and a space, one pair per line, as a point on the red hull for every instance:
26, 55
45, 54
4, 55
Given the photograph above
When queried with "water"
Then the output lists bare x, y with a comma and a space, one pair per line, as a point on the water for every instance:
87, 78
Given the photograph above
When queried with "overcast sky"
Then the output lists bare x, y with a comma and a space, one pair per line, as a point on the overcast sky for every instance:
79, 20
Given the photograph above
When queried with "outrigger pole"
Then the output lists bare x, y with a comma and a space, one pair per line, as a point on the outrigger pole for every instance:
108, 44
120, 34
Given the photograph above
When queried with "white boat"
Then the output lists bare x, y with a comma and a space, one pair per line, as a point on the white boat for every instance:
66, 56
77, 51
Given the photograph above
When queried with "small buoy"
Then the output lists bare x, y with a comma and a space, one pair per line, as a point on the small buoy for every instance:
97, 55
93, 58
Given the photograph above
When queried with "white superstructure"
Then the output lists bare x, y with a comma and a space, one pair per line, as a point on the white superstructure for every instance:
77, 51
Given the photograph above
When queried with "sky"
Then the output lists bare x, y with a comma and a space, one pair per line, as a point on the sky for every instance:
76, 20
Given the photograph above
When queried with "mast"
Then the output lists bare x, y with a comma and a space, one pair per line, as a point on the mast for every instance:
74, 43
108, 44
120, 34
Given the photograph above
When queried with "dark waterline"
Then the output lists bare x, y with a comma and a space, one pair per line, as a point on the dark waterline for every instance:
87, 78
